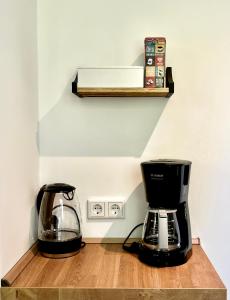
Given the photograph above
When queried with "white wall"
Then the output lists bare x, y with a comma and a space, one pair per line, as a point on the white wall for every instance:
18, 125
193, 125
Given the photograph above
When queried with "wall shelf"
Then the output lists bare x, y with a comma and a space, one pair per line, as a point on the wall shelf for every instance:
126, 92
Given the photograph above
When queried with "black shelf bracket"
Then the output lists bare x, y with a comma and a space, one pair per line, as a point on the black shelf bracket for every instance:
74, 85
169, 81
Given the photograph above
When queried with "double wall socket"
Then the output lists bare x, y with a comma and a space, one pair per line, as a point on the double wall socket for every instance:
106, 208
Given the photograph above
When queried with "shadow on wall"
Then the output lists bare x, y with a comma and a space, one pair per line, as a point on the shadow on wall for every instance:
33, 234
135, 211
98, 126
139, 60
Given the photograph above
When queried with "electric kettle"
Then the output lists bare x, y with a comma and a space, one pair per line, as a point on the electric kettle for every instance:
59, 229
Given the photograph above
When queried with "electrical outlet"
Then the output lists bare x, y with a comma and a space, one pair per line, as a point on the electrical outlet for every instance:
96, 209
106, 208
116, 210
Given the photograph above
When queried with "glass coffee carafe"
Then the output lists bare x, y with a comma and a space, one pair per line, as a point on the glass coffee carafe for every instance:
161, 230
59, 229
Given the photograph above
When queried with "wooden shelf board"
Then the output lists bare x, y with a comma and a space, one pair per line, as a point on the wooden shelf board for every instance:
106, 272
108, 266
126, 92
122, 92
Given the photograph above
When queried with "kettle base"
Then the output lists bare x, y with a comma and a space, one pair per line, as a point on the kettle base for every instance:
164, 258
60, 249
61, 255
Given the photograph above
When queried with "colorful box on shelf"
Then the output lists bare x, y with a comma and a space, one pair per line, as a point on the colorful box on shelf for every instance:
111, 77
155, 62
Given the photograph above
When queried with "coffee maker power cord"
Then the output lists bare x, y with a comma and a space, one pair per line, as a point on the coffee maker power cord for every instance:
135, 246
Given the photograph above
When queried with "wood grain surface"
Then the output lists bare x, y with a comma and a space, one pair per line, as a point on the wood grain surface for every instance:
108, 266
122, 92
19, 266
111, 294
10, 277
105, 240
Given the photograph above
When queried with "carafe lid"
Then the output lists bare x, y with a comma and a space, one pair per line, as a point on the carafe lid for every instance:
59, 188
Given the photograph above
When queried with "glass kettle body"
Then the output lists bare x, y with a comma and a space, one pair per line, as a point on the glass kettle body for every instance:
59, 229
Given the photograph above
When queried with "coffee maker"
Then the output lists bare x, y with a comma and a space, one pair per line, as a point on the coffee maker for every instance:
166, 237
59, 228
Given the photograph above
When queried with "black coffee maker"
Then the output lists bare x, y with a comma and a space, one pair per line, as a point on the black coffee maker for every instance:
166, 238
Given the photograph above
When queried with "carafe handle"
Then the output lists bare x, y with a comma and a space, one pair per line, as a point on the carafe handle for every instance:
163, 229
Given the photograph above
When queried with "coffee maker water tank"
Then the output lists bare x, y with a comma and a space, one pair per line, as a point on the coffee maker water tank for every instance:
166, 182
166, 237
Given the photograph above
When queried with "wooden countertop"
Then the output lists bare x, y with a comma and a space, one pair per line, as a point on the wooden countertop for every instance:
107, 266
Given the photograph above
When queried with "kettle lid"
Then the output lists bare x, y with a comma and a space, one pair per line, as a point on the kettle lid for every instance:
59, 188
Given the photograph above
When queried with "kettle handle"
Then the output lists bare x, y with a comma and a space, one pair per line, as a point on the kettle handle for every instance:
39, 197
